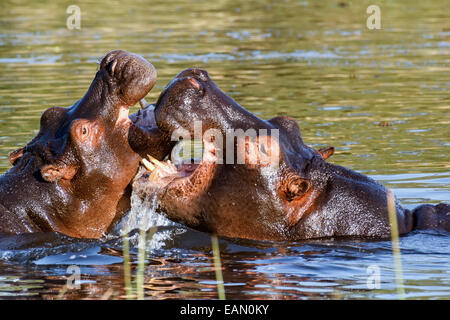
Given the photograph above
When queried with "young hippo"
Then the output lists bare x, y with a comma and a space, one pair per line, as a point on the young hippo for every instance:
267, 184
74, 176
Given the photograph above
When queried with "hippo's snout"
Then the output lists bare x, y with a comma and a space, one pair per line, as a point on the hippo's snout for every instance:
196, 73
131, 75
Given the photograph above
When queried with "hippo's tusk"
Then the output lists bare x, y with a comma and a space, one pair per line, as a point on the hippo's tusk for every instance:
168, 167
157, 168
143, 103
148, 165
156, 162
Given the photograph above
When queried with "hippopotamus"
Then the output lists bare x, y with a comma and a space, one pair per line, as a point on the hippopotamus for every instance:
74, 176
281, 189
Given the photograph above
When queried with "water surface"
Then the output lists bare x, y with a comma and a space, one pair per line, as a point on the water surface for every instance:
381, 97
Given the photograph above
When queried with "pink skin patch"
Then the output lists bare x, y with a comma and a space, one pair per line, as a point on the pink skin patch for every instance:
122, 118
186, 169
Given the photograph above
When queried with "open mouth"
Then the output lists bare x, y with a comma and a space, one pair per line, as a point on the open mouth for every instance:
167, 173
143, 118
125, 119
173, 168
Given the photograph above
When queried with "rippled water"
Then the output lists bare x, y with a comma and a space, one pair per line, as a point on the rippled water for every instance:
381, 97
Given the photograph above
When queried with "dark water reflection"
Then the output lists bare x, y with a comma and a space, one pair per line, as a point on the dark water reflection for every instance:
380, 97
182, 268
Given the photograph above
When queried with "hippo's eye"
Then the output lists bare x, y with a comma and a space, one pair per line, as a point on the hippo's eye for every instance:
84, 131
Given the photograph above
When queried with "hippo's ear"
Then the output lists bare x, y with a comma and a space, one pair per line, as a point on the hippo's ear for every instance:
53, 173
15, 155
326, 152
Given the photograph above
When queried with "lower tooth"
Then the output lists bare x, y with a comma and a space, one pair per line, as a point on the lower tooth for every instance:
148, 165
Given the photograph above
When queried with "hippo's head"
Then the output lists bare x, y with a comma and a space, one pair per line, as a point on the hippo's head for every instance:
72, 176
257, 178
69, 138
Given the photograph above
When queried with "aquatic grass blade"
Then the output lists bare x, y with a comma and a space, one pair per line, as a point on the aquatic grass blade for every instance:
127, 266
141, 265
395, 245
218, 267
140, 273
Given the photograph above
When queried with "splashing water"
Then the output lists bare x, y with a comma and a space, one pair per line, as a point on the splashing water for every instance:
143, 216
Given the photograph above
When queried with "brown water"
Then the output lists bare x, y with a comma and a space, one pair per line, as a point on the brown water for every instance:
381, 97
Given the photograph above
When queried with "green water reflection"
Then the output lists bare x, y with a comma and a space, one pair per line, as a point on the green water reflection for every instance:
381, 97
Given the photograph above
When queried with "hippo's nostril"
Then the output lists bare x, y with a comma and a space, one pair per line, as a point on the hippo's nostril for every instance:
108, 58
194, 83
111, 67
